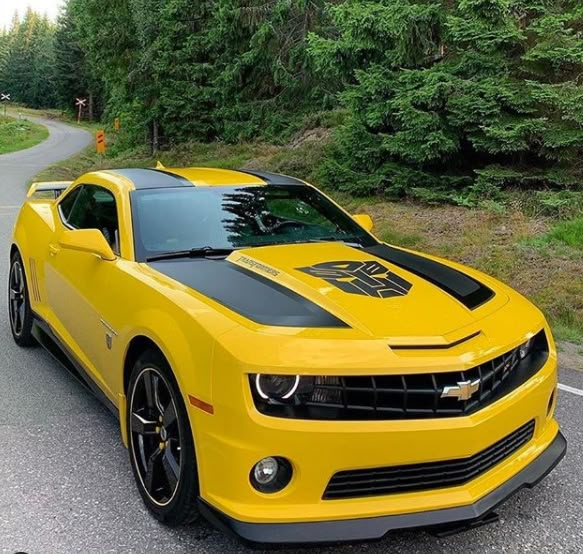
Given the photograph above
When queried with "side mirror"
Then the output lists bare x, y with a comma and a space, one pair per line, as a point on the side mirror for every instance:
364, 220
91, 241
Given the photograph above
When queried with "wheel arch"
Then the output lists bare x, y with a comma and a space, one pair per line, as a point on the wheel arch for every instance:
179, 339
136, 347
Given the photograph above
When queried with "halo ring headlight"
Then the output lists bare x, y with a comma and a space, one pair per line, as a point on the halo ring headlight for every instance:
276, 387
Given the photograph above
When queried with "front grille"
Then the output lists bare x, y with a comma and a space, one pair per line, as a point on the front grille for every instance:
434, 475
415, 396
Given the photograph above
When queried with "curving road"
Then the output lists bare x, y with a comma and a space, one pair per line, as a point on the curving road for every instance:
66, 483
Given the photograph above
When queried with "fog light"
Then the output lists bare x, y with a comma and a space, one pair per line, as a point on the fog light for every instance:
271, 474
265, 471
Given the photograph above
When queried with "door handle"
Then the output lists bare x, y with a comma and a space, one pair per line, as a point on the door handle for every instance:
53, 249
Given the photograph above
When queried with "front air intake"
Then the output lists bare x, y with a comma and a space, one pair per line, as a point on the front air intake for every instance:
419, 477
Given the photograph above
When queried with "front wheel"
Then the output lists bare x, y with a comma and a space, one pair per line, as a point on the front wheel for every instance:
19, 310
161, 447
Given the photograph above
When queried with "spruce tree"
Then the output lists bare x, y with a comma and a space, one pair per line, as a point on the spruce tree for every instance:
474, 95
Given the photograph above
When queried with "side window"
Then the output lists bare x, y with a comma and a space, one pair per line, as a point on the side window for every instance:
67, 203
95, 208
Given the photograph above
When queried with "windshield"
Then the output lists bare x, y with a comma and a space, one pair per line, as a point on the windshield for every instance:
176, 219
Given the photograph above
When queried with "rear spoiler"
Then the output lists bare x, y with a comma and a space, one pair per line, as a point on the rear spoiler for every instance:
48, 189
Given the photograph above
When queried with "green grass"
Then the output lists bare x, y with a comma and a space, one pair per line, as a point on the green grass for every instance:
564, 239
16, 109
20, 134
570, 330
193, 154
392, 236
568, 232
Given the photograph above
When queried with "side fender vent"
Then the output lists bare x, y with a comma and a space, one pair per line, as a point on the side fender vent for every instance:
34, 288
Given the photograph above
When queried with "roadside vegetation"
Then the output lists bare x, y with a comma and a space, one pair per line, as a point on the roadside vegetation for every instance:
18, 134
437, 101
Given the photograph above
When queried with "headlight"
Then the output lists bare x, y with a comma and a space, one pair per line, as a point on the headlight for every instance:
281, 388
276, 387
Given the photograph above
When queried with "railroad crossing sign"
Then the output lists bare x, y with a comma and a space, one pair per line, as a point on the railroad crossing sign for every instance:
5, 98
80, 103
100, 142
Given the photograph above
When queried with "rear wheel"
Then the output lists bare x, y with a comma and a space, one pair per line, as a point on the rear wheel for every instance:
161, 447
19, 309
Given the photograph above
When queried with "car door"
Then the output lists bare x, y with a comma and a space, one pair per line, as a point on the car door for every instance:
77, 282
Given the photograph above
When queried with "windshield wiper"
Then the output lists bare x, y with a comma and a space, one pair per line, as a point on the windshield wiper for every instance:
350, 241
203, 252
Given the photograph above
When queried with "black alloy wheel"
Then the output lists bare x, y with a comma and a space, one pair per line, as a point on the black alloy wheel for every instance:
19, 310
160, 442
155, 436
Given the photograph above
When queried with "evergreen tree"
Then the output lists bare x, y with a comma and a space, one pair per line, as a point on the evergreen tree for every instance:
72, 75
184, 69
447, 99
27, 61
4, 50
106, 33
41, 91
263, 74
444, 96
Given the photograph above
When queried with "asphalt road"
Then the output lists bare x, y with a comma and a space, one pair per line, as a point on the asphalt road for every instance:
65, 480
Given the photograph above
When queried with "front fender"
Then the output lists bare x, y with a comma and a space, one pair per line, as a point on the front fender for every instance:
185, 344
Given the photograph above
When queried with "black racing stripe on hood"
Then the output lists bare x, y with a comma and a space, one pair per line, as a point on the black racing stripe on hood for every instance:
249, 294
462, 287
146, 178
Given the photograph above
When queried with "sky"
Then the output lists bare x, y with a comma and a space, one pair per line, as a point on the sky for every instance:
8, 7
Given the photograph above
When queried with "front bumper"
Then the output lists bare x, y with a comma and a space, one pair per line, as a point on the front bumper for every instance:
374, 528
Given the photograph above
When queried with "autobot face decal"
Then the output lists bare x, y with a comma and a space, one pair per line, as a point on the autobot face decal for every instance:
367, 278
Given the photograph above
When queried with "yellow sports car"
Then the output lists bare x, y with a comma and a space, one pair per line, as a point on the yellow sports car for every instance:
277, 368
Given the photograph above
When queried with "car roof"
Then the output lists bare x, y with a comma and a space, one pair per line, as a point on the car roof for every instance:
162, 177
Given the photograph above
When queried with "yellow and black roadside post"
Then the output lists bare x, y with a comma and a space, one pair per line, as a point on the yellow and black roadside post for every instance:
100, 143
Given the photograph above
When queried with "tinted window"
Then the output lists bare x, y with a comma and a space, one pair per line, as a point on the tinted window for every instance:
95, 208
68, 202
171, 219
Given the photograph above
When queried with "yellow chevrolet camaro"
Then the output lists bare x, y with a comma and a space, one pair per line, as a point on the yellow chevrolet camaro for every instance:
277, 368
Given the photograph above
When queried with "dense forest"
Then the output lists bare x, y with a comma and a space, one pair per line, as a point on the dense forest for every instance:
427, 98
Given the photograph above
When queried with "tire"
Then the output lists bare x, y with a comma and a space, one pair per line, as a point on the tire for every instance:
19, 310
157, 424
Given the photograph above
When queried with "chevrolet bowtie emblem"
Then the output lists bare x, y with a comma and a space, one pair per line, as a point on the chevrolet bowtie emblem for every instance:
464, 390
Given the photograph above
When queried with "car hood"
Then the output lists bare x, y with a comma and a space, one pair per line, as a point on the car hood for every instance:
382, 291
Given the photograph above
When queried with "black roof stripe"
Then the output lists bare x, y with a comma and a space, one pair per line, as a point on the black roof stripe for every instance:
146, 178
462, 287
272, 178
